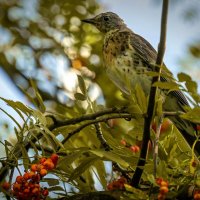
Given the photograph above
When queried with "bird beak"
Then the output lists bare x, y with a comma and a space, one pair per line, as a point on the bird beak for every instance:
89, 21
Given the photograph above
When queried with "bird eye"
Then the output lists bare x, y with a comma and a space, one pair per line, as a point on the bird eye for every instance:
106, 18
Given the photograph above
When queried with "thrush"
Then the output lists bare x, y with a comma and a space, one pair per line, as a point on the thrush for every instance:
128, 56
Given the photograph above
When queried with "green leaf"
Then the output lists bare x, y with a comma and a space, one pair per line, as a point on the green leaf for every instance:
152, 74
162, 169
40, 102
141, 98
110, 156
51, 181
191, 86
25, 157
18, 106
82, 167
69, 159
7, 148
182, 77
34, 147
11, 117
56, 188
40, 116
135, 193
166, 85
54, 141
151, 178
81, 83
193, 115
79, 96
101, 173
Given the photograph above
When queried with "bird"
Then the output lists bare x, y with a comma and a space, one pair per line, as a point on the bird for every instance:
128, 58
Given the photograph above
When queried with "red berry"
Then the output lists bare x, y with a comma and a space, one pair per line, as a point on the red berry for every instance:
31, 174
132, 148
137, 149
198, 128
110, 187
123, 142
48, 164
164, 183
197, 196
26, 176
36, 185
197, 191
159, 180
34, 167
122, 180
164, 189
26, 191
36, 178
54, 158
42, 160
39, 167
194, 163
19, 179
165, 126
16, 187
43, 172
45, 192
35, 191
6, 186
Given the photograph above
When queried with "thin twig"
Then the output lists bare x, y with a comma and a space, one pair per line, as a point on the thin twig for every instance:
101, 137
168, 113
151, 104
155, 145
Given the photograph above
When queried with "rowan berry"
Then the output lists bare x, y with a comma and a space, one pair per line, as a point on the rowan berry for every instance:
6, 186
19, 179
54, 157
123, 142
164, 189
43, 172
34, 167
45, 192
48, 164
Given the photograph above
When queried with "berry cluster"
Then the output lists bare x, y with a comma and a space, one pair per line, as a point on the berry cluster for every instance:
27, 186
163, 188
117, 184
133, 148
197, 194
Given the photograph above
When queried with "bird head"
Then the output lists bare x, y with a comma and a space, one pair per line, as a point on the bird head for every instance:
106, 22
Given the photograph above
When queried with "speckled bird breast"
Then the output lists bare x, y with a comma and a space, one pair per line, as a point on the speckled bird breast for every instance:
123, 66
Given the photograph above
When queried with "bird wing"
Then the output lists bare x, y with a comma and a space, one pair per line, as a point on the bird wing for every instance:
149, 55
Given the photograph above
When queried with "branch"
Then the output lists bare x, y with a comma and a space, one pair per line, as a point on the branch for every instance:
59, 123
151, 104
103, 119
